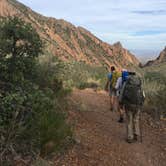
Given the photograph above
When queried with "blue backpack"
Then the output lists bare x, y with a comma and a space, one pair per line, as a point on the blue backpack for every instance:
125, 75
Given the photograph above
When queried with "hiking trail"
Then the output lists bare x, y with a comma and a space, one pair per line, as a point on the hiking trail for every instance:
100, 139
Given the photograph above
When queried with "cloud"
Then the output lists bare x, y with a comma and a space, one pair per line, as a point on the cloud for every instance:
150, 32
150, 42
151, 12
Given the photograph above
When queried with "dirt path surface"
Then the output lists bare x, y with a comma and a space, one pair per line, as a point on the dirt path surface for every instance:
101, 139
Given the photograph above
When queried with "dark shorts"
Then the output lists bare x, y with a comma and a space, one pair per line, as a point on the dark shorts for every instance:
113, 92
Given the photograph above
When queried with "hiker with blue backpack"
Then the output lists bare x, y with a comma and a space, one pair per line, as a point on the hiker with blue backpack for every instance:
120, 81
132, 98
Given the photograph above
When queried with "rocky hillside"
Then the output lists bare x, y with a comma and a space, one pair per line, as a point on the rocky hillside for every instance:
69, 42
160, 59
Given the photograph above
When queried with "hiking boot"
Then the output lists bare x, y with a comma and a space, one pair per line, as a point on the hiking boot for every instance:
135, 137
130, 141
111, 109
121, 120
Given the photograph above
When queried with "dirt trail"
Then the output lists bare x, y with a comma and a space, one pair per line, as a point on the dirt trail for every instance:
101, 139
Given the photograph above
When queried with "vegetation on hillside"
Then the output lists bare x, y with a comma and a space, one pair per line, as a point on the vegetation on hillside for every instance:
155, 88
81, 75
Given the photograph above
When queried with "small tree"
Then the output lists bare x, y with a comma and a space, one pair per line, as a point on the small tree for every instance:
30, 115
19, 46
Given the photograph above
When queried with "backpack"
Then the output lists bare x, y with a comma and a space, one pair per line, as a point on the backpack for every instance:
125, 75
115, 76
132, 93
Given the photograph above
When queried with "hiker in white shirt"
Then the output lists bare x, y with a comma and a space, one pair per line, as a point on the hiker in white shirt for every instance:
118, 87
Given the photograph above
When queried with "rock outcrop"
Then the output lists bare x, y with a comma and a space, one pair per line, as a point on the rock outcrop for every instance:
160, 59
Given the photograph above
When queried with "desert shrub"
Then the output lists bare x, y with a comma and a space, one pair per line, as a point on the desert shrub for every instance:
155, 77
47, 122
160, 101
30, 118
155, 86
85, 85
49, 73
78, 74
30, 111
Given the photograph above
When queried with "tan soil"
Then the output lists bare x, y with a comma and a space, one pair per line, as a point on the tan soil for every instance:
101, 139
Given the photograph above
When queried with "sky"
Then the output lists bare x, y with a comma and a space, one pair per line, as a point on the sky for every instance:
140, 25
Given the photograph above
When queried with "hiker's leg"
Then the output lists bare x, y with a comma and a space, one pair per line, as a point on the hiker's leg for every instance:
121, 113
111, 103
120, 107
129, 119
112, 100
115, 103
137, 122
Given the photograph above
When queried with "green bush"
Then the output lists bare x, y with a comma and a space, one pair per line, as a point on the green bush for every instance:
78, 74
160, 100
155, 86
47, 122
30, 95
154, 76
49, 73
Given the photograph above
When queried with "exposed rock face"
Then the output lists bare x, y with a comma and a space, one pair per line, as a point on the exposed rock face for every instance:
162, 56
69, 42
160, 59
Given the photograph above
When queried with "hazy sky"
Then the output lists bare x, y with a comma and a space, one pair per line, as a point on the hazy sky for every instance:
139, 25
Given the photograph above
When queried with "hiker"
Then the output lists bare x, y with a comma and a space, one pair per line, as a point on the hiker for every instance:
110, 86
120, 81
132, 98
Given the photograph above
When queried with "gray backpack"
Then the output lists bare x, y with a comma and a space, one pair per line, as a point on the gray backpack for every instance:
132, 91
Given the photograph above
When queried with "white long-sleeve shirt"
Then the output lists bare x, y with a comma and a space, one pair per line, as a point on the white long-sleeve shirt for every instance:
118, 84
